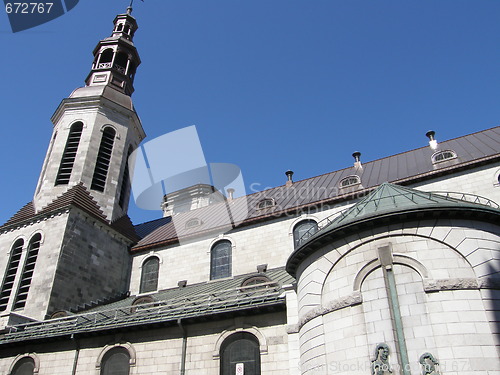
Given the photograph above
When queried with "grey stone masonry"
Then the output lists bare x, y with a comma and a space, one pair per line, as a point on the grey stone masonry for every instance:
96, 107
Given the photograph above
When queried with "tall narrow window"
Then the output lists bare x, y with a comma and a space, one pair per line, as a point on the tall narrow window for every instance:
116, 362
103, 159
10, 273
240, 352
304, 230
125, 188
220, 260
69, 154
149, 276
25, 366
27, 274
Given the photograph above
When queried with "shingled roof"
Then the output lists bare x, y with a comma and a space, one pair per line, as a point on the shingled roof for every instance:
208, 300
405, 168
76, 196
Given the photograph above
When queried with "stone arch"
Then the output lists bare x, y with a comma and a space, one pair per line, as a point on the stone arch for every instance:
127, 346
398, 259
149, 255
33, 356
335, 255
252, 330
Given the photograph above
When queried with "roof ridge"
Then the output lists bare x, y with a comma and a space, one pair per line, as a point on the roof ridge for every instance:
71, 196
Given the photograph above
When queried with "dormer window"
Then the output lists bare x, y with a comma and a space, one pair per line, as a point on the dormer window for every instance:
193, 223
141, 301
350, 181
255, 281
443, 156
266, 203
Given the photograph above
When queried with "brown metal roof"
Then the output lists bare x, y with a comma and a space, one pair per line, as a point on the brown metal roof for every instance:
76, 196
407, 167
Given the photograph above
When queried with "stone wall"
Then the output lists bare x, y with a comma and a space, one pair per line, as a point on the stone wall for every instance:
158, 351
444, 271
93, 264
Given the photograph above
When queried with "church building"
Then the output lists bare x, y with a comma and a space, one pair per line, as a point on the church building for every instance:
390, 266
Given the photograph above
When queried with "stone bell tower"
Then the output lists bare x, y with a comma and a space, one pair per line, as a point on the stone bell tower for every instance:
96, 128
68, 247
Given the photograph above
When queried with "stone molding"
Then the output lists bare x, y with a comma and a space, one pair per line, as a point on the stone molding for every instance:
352, 299
430, 286
252, 330
107, 348
33, 356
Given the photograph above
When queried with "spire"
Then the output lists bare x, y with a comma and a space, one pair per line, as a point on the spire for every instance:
116, 58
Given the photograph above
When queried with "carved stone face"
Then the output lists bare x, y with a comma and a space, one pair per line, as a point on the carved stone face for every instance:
383, 353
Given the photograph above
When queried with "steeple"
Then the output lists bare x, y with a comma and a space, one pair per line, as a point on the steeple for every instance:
96, 128
116, 58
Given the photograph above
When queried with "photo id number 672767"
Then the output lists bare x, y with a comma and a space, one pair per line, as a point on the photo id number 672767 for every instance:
27, 8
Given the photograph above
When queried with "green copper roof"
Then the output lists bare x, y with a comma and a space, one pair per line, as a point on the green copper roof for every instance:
389, 202
393, 198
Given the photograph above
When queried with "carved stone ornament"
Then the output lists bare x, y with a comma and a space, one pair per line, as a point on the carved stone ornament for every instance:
429, 364
380, 365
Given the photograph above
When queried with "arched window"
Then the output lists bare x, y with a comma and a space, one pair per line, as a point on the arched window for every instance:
121, 62
443, 155
220, 260
25, 366
28, 269
193, 223
350, 181
304, 230
125, 188
265, 203
116, 362
69, 154
10, 273
149, 276
240, 351
103, 159
106, 56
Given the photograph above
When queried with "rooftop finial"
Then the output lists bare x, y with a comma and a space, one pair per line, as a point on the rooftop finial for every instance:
129, 8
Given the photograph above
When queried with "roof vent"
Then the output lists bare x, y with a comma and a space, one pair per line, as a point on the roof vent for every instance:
357, 159
432, 141
289, 175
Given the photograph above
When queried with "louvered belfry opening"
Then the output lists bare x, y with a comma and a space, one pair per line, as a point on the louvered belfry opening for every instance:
10, 274
103, 159
124, 190
27, 274
69, 155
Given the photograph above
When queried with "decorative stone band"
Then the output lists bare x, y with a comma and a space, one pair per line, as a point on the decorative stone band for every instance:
430, 286
460, 284
350, 300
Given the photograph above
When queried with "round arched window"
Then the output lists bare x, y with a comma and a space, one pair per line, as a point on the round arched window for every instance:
25, 366
220, 260
303, 230
116, 362
240, 352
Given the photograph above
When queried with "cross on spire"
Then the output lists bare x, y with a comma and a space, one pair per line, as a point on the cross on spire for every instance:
129, 8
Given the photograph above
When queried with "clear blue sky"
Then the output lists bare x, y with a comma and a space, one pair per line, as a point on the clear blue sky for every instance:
270, 84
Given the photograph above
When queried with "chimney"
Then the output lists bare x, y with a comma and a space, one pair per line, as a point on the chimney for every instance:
289, 175
230, 192
357, 160
432, 141
261, 268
